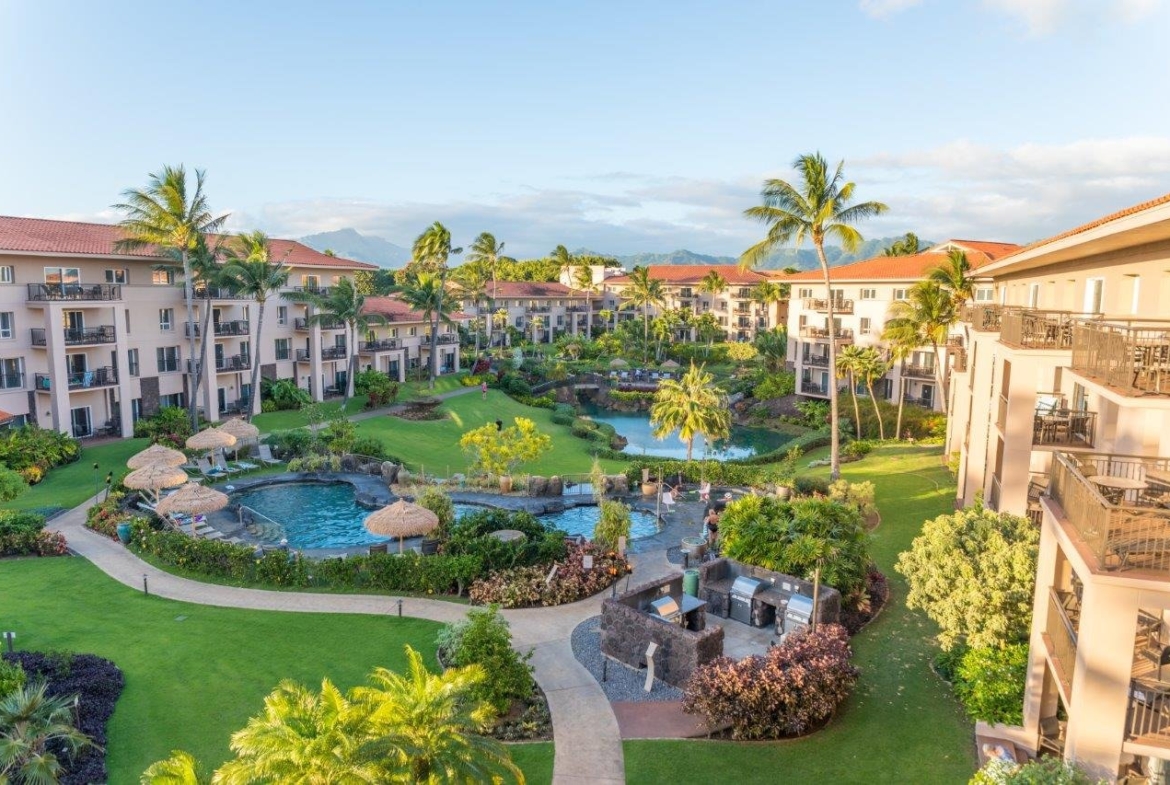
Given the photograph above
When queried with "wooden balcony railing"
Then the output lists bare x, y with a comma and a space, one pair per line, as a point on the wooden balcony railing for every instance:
1072, 428
983, 317
819, 360
821, 305
1026, 329
1062, 635
1148, 718
1129, 356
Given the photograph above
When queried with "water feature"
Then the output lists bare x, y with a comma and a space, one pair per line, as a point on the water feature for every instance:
635, 427
581, 520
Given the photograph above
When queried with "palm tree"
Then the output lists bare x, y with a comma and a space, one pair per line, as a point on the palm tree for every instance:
606, 315
691, 405
773, 348
871, 366
34, 727
768, 292
312, 738
584, 283
713, 283
436, 723
345, 304
817, 208
499, 320
900, 345
848, 366
906, 246
470, 285
954, 275
208, 274
644, 292
179, 769
707, 328
537, 324
428, 294
430, 251
924, 319
166, 215
663, 328
252, 271
487, 252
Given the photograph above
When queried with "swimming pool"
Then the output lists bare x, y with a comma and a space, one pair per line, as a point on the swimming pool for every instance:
327, 515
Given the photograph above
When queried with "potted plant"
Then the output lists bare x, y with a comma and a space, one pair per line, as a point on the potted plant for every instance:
498, 451
648, 488
437, 501
786, 473
125, 531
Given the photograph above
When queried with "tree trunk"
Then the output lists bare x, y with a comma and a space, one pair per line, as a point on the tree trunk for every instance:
349, 380
645, 332
876, 410
254, 403
939, 376
192, 372
434, 349
856, 410
834, 414
588, 319
200, 371
901, 402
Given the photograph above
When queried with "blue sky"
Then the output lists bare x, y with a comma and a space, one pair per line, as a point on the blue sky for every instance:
622, 127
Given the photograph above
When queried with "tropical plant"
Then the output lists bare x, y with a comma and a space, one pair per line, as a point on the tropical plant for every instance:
871, 366
849, 363
36, 729
284, 393
900, 345
990, 680
644, 292
427, 293
924, 319
607, 316
907, 245
768, 292
181, 768
956, 558
166, 214
430, 253
488, 253
713, 283
499, 452
437, 501
613, 523
584, 283
483, 639
345, 304
208, 274
1049, 770
12, 484
379, 389
253, 273
707, 328
691, 405
471, 286
954, 275
818, 207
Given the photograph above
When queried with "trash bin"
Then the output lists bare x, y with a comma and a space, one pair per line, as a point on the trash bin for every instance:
691, 582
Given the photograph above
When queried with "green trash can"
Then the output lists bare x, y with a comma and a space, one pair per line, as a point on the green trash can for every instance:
691, 582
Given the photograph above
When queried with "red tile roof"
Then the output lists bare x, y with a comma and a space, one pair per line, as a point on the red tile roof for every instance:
1128, 211
529, 289
694, 273
888, 268
992, 250
395, 310
39, 235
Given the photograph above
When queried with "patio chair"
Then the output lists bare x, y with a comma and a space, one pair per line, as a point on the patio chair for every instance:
265, 455
207, 470
222, 466
378, 548
1051, 736
237, 464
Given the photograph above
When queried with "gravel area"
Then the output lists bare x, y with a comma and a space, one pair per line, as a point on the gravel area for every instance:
622, 683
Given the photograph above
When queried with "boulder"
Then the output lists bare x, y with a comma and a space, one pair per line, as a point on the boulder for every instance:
537, 486
555, 486
390, 471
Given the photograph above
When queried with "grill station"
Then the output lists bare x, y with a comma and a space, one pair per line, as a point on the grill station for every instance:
687, 611
746, 605
797, 615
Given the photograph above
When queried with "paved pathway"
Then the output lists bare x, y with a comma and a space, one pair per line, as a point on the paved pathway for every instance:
585, 731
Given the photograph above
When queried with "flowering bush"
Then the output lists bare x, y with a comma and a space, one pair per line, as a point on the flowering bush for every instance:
40, 543
790, 690
105, 516
524, 587
44, 448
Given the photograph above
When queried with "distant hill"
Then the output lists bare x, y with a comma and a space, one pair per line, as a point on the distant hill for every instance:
801, 259
361, 247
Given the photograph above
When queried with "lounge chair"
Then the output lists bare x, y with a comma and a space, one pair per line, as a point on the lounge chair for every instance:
209, 471
222, 466
244, 465
266, 455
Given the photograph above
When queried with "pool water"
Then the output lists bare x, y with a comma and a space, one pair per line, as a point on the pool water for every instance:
582, 520
635, 427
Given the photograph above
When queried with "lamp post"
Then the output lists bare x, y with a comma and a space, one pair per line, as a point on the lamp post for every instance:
97, 486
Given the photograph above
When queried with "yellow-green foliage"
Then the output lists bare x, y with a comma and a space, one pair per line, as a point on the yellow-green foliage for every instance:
498, 452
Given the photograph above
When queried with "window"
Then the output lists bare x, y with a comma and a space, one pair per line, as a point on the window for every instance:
127, 320
168, 359
135, 409
11, 373
900, 294
132, 362
177, 400
866, 323
310, 282
116, 276
414, 330
162, 277
166, 319
62, 275
984, 294
1034, 295
282, 348
7, 325
393, 332
868, 294
804, 294
282, 314
1094, 295
7, 274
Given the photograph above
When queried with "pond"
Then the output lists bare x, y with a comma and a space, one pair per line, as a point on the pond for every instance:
635, 426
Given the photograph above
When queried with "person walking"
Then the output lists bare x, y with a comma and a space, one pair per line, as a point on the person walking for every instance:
483, 389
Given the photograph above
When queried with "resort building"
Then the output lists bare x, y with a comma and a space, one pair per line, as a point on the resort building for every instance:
734, 302
1061, 411
863, 297
539, 311
93, 338
402, 341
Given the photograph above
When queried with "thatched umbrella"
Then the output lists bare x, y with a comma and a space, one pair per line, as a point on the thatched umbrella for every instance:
401, 519
243, 430
193, 499
154, 478
211, 439
670, 364
618, 362
156, 454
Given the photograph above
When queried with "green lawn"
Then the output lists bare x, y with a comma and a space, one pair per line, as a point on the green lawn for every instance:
434, 444
902, 723
194, 674
443, 384
297, 418
68, 486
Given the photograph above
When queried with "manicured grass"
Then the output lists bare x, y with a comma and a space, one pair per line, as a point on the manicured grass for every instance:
69, 485
194, 674
297, 418
902, 724
535, 759
434, 444
443, 384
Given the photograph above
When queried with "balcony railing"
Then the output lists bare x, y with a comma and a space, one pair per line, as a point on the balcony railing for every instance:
1062, 635
42, 292
236, 327
983, 317
1131, 357
320, 291
369, 347
819, 360
80, 380
1115, 503
1072, 428
302, 323
958, 360
302, 355
915, 400
812, 388
955, 342
1148, 719
537, 309
83, 337
918, 372
822, 333
333, 352
219, 293
1025, 329
236, 362
821, 305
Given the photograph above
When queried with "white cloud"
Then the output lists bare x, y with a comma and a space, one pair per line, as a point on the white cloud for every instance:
883, 9
1137, 10
1039, 17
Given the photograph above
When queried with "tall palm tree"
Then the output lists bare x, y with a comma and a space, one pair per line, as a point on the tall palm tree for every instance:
662, 328
431, 251
584, 283
436, 723
773, 348
924, 319
871, 366
488, 252
537, 324
954, 275
644, 292
34, 728
179, 769
817, 207
207, 270
691, 405
848, 367
707, 329
428, 294
166, 214
900, 344
253, 272
905, 246
471, 285
345, 304
768, 292
499, 321
713, 283
606, 315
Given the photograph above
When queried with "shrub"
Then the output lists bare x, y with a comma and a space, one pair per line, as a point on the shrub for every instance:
483, 639
990, 683
524, 587
499, 452
437, 501
790, 690
1051, 770
857, 494
370, 447
546, 401
613, 524
513, 384
339, 436
469, 536
12, 484
811, 486
19, 522
632, 396
315, 463
293, 444
284, 394
12, 677
858, 448
379, 388
29, 446
23, 534
171, 426
775, 385
267, 406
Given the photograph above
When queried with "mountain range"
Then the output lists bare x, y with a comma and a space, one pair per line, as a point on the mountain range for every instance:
351, 244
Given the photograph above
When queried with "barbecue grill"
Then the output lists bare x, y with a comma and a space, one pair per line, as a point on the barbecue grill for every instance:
667, 609
797, 616
743, 595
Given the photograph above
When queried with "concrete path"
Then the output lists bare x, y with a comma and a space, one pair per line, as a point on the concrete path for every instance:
585, 731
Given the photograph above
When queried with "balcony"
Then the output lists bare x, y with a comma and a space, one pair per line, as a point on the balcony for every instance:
1060, 634
841, 334
81, 380
925, 403
236, 362
73, 292
1064, 427
958, 360
818, 360
220, 329
77, 337
303, 324
537, 309
383, 345
918, 372
1129, 356
333, 352
303, 355
983, 317
809, 387
1117, 505
320, 291
219, 293
821, 305
1036, 329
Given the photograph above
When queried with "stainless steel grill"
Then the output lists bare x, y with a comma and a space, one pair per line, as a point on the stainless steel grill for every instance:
797, 615
743, 593
667, 609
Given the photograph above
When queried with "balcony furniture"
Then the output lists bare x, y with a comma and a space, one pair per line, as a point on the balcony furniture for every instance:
1051, 736
1118, 489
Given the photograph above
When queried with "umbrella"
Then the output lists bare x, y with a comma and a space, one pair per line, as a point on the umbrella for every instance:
243, 430
155, 477
193, 499
618, 362
211, 439
401, 519
507, 535
669, 364
156, 454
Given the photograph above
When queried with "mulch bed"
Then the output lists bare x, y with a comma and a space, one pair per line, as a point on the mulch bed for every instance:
877, 586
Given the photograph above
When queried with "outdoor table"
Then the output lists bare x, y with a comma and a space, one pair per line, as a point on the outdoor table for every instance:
507, 535
1158, 477
1115, 488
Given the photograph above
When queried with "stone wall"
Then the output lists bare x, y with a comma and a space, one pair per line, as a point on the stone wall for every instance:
627, 629
729, 569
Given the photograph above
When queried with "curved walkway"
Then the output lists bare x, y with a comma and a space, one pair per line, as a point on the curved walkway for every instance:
585, 731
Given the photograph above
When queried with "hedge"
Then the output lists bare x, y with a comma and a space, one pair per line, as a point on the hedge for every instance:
23, 534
